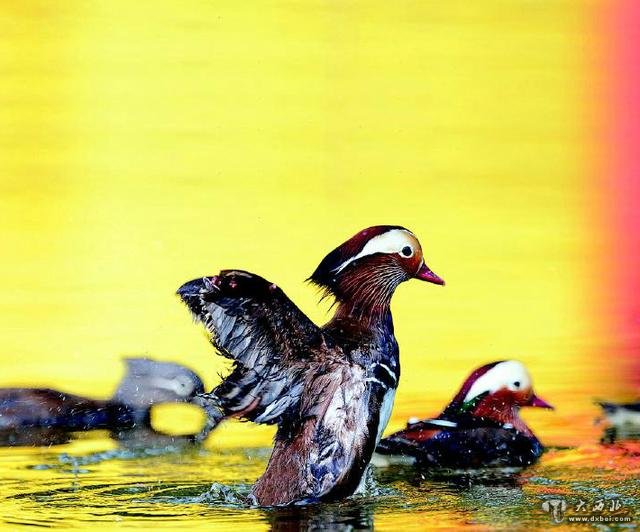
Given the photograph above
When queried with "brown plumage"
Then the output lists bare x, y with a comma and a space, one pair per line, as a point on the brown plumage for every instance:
329, 389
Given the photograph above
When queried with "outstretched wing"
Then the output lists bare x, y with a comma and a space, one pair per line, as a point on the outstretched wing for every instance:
270, 340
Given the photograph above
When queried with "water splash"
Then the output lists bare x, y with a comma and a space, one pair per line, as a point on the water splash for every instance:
74, 464
237, 496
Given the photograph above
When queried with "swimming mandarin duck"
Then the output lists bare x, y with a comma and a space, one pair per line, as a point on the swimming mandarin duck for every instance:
481, 426
146, 382
329, 389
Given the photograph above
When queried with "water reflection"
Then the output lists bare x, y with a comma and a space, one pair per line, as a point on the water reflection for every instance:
34, 437
145, 485
346, 516
138, 438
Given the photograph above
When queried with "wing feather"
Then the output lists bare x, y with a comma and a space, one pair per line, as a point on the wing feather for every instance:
270, 340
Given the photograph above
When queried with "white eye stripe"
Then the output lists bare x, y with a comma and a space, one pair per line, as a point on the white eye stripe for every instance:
393, 241
503, 375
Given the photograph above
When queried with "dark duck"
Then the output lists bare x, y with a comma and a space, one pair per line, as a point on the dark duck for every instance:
329, 389
147, 382
623, 420
481, 427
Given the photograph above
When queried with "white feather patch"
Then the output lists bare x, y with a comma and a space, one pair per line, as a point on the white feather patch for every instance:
385, 413
503, 375
441, 423
390, 242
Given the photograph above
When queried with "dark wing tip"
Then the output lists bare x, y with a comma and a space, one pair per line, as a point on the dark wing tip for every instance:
196, 287
228, 283
192, 294
239, 283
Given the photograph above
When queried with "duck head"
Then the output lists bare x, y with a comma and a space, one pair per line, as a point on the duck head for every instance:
148, 382
367, 268
496, 391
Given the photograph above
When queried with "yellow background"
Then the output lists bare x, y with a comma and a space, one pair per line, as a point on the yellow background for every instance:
147, 143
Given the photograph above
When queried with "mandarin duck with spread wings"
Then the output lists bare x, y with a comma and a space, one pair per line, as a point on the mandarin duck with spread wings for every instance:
328, 389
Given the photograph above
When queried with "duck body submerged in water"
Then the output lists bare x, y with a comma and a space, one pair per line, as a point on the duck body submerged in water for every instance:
146, 383
481, 427
329, 389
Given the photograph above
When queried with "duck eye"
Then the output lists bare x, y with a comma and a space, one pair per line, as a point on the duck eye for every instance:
517, 384
407, 251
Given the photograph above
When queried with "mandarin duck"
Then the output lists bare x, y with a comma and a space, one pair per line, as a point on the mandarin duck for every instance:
328, 389
481, 426
146, 383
